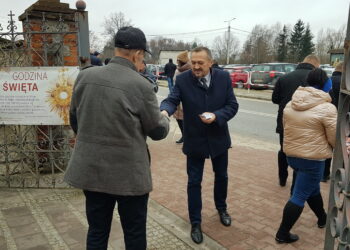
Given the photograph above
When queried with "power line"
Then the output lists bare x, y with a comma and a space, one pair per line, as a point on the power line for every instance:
241, 30
188, 33
201, 35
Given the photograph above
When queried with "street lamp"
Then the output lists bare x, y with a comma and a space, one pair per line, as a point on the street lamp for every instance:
228, 40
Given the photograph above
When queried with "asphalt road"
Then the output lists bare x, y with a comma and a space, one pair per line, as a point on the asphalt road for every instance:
256, 119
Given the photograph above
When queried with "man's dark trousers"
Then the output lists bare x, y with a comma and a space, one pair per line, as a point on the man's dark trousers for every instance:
133, 216
283, 166
195, 173
282, 162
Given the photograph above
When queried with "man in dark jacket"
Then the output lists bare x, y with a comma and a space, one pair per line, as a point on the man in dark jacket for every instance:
216, 65
208, 104
169, 71
113, 110
282, 94
94, 59
336, 80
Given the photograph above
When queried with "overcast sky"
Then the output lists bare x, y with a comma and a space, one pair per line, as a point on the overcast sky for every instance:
156, 17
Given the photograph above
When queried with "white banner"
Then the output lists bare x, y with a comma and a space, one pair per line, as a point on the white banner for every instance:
36, 95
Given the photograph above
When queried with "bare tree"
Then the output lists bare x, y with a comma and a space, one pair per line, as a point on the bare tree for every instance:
161, 43
262, 44
95, 42
322, 47
335, 38
114, 22
329, 39
259, 46
220, 48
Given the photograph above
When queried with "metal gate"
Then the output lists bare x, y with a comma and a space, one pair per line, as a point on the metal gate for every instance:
35, 156
338, 227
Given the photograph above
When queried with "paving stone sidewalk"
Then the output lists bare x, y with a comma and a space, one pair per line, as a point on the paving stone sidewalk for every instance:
39, 219
55, 219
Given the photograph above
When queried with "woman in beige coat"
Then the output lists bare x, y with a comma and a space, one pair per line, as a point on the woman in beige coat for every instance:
309, 122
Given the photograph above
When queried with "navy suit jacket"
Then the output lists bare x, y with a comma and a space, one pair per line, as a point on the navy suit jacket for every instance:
200, 139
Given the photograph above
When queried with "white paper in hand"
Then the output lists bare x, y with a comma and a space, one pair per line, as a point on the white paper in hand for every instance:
207, 116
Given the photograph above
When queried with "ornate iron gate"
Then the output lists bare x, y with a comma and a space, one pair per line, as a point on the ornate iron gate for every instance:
36, 156
338, 227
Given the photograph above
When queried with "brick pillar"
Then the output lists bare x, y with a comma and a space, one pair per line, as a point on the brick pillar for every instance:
56, 49
52, 36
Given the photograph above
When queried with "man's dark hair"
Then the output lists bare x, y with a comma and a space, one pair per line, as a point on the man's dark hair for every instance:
199, 49
317, 77
170, 60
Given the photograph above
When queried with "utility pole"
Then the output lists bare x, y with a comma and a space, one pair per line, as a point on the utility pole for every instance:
228, 40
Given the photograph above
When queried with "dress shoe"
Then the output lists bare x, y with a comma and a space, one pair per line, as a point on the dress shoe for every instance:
290, 238
196, 233
181, 140
225, 218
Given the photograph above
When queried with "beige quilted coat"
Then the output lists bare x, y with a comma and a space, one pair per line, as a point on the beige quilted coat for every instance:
309, 121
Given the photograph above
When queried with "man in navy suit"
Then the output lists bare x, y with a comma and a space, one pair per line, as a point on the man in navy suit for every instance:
208, 104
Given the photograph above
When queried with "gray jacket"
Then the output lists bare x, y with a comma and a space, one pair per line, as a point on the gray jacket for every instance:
113, 110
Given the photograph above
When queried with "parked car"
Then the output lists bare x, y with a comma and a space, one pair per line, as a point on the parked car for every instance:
157, 71
161, 75
329, 69
231, 66
264, 76
239, 75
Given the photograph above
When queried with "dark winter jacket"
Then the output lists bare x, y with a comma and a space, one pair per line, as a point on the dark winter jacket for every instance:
285, 88
169, 69
200, 139
94, 60
336, 79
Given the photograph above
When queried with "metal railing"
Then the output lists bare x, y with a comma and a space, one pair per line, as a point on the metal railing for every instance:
338, 227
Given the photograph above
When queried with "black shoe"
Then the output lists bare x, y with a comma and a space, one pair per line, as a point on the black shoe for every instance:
181, 140
290, 238
225, 218
283, 183
196, 233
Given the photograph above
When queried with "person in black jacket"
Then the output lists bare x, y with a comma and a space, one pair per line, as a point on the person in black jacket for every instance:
94, 59
216, 65
282, 94
336, 79
208, 104
169, 71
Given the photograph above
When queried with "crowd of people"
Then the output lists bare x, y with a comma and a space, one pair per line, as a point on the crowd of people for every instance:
114, 109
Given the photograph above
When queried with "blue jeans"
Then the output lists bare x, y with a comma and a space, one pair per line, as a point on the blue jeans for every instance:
194, 188
99, 213
308, 176
170, 83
